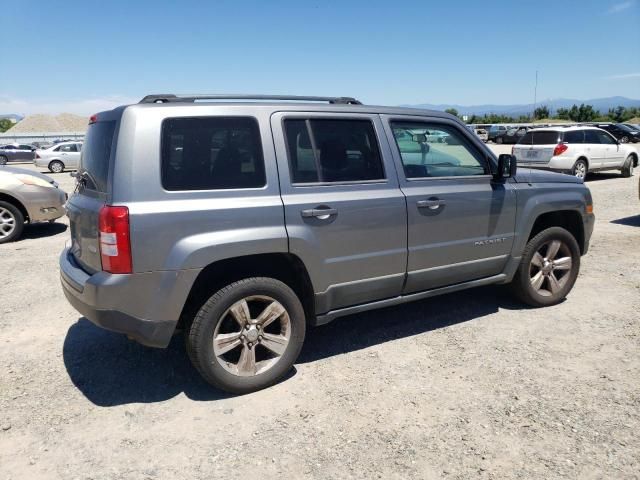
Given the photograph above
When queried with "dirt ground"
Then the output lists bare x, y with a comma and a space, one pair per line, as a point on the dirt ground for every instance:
469, 385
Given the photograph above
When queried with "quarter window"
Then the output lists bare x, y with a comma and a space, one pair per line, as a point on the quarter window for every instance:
210, 153
327, 151
434, 150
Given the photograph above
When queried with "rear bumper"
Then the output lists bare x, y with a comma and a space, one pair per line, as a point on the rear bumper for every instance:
144, 306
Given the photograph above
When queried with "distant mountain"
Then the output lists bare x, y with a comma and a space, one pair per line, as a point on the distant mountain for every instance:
11, 116
602, 104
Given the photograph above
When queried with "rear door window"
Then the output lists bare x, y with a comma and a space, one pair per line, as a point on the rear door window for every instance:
574, 136
94, 162
327, 151
591, 136
212, 153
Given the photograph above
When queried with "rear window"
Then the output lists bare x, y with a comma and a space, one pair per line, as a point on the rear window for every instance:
539, 138
96, 153
211, 153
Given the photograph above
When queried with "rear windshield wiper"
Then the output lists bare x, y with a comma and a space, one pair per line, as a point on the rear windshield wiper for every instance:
81, 180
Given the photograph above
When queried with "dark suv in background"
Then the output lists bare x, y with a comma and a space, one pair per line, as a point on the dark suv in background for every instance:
622, 132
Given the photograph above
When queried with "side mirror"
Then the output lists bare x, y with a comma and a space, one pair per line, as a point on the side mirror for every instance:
419, 138
506, 166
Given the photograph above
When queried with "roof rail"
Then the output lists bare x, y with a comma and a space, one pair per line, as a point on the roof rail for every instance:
171, 98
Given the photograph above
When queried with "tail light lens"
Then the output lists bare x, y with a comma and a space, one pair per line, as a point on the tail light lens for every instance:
560, 149
512, 149
37, 156
115, 247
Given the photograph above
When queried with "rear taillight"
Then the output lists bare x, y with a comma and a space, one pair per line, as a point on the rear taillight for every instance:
560, 149
512, 149
37, 156
93, 118
115, 247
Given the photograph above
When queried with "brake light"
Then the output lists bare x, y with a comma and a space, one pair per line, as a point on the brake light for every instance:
93, 118
512, 149
115, 247
560, 149
37, 156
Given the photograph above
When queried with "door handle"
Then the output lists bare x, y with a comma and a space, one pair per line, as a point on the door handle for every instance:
432, 203
322, 213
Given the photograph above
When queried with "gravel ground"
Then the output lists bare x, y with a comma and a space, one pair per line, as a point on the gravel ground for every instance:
469, 385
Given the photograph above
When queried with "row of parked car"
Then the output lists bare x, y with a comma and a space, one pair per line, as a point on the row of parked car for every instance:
623, 132
57, 157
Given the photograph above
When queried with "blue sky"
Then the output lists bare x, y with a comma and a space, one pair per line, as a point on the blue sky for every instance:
85, 56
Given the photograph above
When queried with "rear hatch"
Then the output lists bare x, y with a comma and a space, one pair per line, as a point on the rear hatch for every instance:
92, 192
536, 146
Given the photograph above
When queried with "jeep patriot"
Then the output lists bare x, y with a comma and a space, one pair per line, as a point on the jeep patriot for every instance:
242, 220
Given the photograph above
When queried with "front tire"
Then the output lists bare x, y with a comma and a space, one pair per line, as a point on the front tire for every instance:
56, 166
580, 169
627, 169
247, 336
624, 139
11, 222
548, 269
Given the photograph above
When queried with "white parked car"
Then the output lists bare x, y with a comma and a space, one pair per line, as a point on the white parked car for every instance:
575, 150
57, 158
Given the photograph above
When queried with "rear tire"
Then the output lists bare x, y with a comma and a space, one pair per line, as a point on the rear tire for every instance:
499, 140
580, 169
627, 168
624, 139
548, 269
11, 222
56, 166
3, 160
239, 355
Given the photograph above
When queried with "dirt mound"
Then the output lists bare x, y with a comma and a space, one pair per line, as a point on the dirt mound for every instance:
65, 122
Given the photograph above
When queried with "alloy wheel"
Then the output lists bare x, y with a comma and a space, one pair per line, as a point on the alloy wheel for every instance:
7, 222
550, 268
580, 170
252, 335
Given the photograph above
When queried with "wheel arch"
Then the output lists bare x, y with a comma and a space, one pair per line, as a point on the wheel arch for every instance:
570, 220
4, 197
286, 267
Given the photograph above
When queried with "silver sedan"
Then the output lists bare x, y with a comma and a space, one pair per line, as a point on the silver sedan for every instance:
27, 197
59, 157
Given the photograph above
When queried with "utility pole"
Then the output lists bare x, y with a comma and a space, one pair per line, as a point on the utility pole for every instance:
535, 97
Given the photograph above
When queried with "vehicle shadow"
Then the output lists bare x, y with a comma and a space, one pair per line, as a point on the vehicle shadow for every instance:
41, 230
111, 370
596, 177
363, 330
633, 221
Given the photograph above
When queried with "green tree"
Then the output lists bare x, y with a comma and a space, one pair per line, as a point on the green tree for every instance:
6, 124
541, 112
452, 111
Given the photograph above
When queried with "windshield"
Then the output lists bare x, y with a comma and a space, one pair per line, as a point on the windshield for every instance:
626, 128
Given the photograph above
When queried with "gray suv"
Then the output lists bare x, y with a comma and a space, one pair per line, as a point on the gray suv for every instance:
243, 220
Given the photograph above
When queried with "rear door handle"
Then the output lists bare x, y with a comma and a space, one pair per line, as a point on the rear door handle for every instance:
432, 203
322, 213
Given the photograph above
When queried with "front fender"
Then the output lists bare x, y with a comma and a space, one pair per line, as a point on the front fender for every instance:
537, 199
